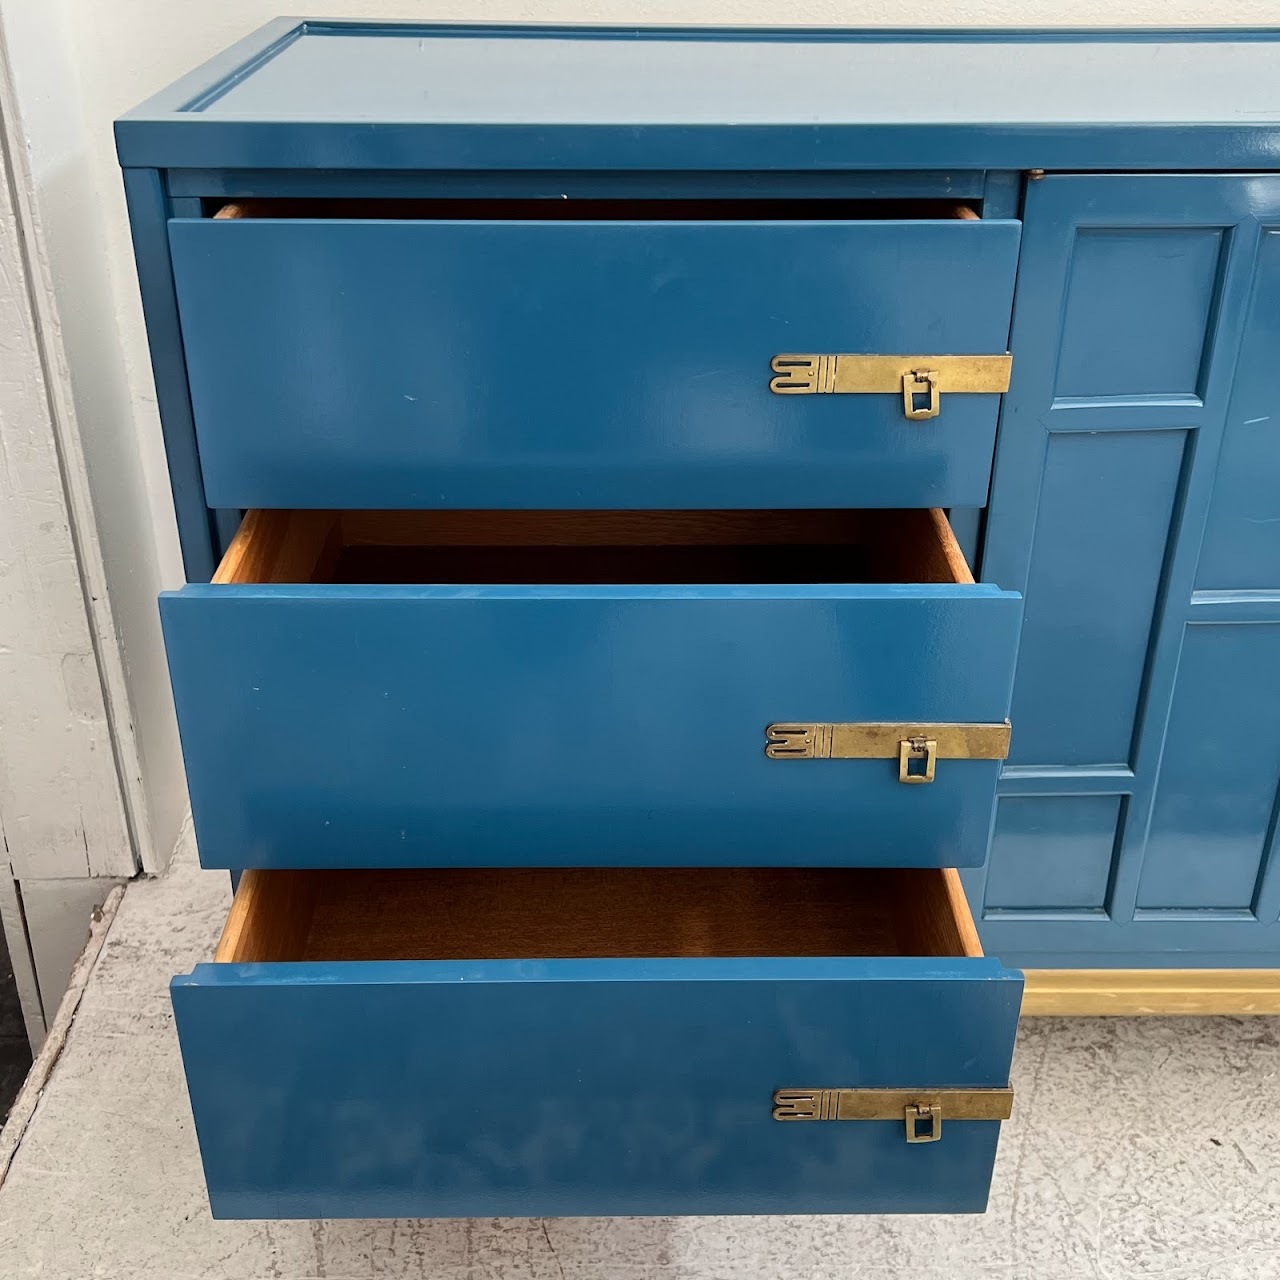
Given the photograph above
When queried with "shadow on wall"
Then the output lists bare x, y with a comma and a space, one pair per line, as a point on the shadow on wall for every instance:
15, 1052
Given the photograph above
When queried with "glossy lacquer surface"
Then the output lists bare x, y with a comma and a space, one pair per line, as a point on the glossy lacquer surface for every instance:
340, 363
334, 95
585, 1087
1241, 548
419, 725
1135, 505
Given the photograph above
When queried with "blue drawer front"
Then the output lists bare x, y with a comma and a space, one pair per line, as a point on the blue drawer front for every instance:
593, 1087
435, 726
620, 364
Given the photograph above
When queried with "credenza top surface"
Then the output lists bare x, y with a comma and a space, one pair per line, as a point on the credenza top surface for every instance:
351, 95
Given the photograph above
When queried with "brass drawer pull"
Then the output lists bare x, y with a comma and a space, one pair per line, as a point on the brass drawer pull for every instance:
926, 1114
920, 380
921, 1110
916, 747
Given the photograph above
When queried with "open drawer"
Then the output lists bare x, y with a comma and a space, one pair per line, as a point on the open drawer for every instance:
453, 688
594, 353
433, 689
579, 1042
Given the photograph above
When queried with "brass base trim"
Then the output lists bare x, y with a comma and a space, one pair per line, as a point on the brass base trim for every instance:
1094, 993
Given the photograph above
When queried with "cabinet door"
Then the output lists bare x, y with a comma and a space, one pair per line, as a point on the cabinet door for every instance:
1136, 504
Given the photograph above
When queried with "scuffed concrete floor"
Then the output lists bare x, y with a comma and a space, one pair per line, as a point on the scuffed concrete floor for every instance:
1138, 1148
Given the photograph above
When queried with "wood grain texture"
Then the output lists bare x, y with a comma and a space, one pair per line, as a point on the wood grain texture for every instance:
539, 913
918, 546
594, 546
935, 915
1164, 992
276, 546
945, 557
269, 919
958, 910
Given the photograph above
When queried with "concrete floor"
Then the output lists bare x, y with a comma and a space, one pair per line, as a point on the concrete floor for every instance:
1137, 1149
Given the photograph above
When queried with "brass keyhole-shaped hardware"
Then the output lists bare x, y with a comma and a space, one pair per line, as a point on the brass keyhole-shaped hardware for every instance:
916, 747
917, 759
798, 741
924, 1121
920, 382
920, 1110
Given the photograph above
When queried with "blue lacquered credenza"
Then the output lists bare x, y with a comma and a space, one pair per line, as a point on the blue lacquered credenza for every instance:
679, 526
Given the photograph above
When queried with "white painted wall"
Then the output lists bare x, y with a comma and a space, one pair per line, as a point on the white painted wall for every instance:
61, 813
80, 63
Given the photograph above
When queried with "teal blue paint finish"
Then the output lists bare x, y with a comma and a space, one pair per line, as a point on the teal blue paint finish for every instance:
1138, 310
148, 206
411, 96
589, 1087
643, 77
434, 726
1052, 853
1002, 194
1215, 807
1241, 548
1195, 879
321, 719
580, 364
1106, 506
599, 184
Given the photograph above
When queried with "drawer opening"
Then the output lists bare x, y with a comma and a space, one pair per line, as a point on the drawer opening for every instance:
596, 913
583, 547
593, 210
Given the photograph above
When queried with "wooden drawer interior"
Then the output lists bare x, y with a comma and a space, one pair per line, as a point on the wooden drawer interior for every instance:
568, 547
594, 912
